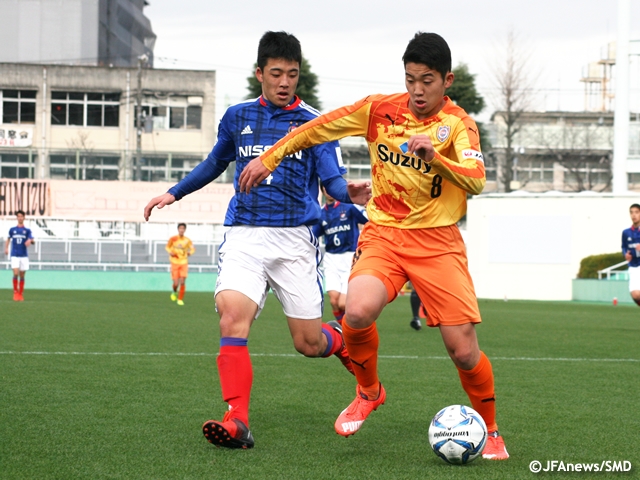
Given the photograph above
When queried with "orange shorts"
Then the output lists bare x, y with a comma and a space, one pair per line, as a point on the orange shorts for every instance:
179, 271
433, 259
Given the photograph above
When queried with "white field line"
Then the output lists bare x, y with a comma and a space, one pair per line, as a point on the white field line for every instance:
399, 357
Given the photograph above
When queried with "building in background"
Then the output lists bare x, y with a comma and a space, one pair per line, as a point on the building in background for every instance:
561, 151
79, 122
75, 32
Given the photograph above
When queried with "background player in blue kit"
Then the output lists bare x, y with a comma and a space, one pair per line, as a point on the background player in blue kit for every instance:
20, 237
631, 251
340, 227
269, 243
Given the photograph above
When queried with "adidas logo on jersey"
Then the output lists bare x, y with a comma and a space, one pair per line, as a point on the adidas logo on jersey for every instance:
247, 130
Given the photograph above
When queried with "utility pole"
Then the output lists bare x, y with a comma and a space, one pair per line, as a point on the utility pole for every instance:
621, 114
142, 60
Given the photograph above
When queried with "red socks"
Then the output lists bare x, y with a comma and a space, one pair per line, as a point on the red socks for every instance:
334, 340
236, 376
181, 294
15, 284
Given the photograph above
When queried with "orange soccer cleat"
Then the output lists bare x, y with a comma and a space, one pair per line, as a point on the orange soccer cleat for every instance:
352, 417
495, 449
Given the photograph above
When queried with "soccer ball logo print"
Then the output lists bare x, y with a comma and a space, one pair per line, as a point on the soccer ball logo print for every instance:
457, 434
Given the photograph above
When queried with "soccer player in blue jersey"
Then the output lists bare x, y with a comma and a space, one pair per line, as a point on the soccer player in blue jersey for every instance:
631, 251
340, 227
269, 243
20, 237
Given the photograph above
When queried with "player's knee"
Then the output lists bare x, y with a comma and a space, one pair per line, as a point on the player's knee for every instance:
307, 348
359, 316
464, 357
232, 325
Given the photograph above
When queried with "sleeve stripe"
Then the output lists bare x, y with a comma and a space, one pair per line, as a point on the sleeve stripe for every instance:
477, 172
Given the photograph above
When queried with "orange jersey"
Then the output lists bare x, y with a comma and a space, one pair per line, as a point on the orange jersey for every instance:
179, 250
406, 192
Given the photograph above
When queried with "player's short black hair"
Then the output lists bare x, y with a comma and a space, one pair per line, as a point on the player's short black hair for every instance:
20, 212
429, 49
278, 45
182, 225
635, 205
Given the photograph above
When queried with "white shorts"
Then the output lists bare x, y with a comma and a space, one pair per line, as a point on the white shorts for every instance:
634, 278
21, 263
337, 267
285, 259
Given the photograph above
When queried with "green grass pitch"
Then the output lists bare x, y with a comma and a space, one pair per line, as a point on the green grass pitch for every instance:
117, 385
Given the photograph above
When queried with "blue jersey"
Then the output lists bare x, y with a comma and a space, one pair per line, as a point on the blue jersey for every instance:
631, 238
340, 226
18, 237
289, 196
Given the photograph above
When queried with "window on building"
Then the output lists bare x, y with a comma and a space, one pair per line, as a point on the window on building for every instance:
17, 106
85, 109
84, 167
163, 168
172, 111
16, 165
587, 176
537, 171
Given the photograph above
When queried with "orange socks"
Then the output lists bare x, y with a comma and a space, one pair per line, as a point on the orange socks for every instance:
478, 383
181, 294
362, 345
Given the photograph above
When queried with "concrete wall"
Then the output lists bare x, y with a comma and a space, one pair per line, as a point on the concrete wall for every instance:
530, 247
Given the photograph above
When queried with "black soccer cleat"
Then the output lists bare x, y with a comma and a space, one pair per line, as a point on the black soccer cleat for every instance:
416, 324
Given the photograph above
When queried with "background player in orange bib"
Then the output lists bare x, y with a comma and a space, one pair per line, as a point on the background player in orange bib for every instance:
179, 248
425, 160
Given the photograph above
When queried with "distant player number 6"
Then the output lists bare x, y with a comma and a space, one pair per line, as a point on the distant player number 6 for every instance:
336, 241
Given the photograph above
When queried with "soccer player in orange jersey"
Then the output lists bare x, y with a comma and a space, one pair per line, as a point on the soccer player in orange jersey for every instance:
425, 160
179, 248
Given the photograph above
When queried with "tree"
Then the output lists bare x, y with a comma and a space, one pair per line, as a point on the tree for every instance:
464, 93
307, 88
514, 97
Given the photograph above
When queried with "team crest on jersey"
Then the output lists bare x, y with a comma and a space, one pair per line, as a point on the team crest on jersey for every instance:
443, 132
343, 216
292, 126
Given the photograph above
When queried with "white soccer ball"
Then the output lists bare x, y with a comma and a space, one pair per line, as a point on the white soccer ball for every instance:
458, 434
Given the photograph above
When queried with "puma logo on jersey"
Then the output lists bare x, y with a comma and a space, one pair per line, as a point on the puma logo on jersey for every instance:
246, 130
351, 426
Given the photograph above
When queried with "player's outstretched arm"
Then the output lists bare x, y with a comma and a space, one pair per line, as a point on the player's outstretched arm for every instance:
251, 176
158, 202
359, 192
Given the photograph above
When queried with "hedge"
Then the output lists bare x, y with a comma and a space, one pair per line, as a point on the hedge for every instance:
589, 266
